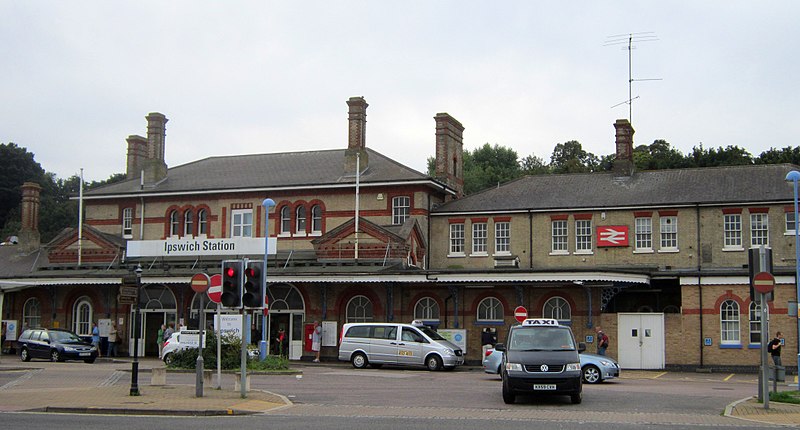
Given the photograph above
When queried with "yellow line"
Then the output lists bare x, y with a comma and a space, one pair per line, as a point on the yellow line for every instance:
659, 375
729, 377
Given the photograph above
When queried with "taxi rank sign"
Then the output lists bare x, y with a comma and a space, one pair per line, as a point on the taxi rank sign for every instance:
191, 247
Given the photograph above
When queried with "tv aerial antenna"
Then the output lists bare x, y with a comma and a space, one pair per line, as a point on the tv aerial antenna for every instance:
629, 39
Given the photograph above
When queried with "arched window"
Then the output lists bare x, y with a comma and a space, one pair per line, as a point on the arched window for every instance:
82, 317
755, 322
174, 223
32, 313
188, 223
359, 309
284, 297
300, 221
557, 308
316, 219
426, 309
490, 309
202, 222
286, 220
729, 322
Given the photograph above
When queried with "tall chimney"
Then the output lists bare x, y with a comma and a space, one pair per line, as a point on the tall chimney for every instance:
137, 153
357, 135
29, 239
155, 166
623, 163
449, 163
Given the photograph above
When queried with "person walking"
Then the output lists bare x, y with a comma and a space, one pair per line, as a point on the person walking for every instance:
316, 338
774, 348
112, 340
96, 338
602, 341
160, 340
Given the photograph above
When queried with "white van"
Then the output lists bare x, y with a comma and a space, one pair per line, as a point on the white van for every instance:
412, 344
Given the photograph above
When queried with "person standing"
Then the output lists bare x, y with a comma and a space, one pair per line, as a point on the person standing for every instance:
316, 338
602, 341
168, 332
112, 340
160, 340
774, 348
96, 338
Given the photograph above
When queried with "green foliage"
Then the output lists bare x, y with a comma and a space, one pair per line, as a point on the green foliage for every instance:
489, 166
775, 156
231, 357
569, 157
785, 397
18, 167
272, 362
730, 156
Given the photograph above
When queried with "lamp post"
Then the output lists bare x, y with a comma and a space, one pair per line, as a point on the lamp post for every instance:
262, 350
135, 363
794, 177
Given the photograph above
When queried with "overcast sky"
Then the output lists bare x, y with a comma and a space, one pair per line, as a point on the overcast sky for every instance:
241, 77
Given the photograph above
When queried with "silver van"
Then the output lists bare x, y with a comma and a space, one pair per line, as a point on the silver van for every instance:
414, 344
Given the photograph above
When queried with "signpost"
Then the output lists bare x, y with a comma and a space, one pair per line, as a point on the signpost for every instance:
200, 283
521, 314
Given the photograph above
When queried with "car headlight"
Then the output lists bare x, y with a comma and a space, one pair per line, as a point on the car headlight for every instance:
514, 367
449, 352
605, 363
573, 367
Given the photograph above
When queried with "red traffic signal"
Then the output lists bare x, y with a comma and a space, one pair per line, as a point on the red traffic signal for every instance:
231, 284
251, 294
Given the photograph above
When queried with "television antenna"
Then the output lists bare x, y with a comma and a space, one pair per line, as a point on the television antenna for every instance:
629, 39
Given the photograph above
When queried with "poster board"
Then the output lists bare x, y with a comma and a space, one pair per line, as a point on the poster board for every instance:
105, 327
456, 336
329, 332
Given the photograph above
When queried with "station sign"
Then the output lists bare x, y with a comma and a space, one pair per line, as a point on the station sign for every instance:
200, 246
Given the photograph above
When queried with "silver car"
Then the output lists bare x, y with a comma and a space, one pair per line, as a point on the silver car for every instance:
594, 368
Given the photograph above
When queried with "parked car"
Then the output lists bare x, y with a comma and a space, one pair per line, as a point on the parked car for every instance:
594, 368
54, 345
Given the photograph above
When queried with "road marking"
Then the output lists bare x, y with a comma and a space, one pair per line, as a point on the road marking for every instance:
660, 375
729, 377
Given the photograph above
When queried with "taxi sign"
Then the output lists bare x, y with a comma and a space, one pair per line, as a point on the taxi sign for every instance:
541, 321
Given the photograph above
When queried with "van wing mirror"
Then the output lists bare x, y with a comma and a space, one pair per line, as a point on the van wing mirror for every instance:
499, 347
581, 347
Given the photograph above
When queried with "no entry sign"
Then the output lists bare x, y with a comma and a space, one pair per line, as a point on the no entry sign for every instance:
215, 289
764, 282
200, 282
520, 313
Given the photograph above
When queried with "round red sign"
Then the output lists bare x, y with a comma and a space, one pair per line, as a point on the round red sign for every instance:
520, 313
215, 290
200, 282
764, 282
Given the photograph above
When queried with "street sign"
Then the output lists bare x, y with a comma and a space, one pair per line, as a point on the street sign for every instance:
200, 282
128, 291
764, 282
215, 289
126, 300
520, 313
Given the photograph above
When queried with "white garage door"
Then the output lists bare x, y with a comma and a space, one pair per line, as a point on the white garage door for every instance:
641, 341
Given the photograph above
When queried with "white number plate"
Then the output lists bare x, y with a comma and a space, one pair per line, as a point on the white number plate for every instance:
544, 386
85, 354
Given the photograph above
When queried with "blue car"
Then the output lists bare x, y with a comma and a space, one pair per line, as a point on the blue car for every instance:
595, 368
54, 345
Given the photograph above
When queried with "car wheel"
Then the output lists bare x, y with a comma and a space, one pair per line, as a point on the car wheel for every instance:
359, 360
508, 396
433, 363
24, 355
55, 356
168, 359
576, 398
591, 374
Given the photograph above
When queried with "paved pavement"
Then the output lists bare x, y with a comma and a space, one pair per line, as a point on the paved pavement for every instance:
22, 390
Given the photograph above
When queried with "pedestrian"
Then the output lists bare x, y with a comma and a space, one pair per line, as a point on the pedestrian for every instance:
96, 338
160, 340
602, 341
112, 340
316, 338
774, 348
168, 332
283, 343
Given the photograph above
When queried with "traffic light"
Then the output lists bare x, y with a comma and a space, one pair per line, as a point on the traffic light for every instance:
231, 284
251, 296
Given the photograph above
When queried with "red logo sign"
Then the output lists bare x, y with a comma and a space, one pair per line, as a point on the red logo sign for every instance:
612, 235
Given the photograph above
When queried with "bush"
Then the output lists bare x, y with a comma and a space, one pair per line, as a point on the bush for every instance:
230, 355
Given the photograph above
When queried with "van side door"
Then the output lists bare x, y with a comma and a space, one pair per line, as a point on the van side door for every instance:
411, 347
383, 344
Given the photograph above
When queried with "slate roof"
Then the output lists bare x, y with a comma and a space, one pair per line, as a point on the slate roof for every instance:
728, 185
288, 169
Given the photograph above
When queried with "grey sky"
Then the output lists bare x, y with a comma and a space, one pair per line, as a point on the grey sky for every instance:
239, 77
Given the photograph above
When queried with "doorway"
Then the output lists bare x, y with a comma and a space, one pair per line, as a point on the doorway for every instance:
641, 341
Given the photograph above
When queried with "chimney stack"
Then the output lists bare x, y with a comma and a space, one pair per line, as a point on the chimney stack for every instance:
137, 153
623, 163
449, 152
29, 239
357, 135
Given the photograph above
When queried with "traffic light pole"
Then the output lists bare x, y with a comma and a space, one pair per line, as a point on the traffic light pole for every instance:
243, 364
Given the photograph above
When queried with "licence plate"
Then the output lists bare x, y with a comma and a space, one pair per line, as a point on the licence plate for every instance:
544, 386
85, 354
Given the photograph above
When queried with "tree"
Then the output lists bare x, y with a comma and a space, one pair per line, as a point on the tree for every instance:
775, 156
569, 157
730, 156
533, 165
18, 167
658, 155
488, 166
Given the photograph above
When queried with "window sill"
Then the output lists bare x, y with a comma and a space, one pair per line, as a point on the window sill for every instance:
732, 249
644, 251
459, 255
316, 233
479, 254
502, 253
754, 346
584, 252
668, 251
731, 346
559, 253
299, 235
284, 235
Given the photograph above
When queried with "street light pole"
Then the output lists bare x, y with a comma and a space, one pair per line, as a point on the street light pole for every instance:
135, 363
794, 176
262, 350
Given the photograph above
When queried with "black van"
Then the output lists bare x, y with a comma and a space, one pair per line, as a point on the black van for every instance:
541, 357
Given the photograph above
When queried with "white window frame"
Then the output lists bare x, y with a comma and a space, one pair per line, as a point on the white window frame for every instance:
643, 228
316, 220
427, 309
559, 237
490, 309
359, 309
502, 238
242, 223
127, 223
457, 240
789, 218
668, 228
732, 227
188, 223
202, 222
174, 223
480, 239
755, 322
759, 229
300, 221
558, 308
286, 221
401, 209
583, 236
729, 320
32, 313
82, 315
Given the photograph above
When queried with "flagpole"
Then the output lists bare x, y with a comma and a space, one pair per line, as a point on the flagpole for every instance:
80, 219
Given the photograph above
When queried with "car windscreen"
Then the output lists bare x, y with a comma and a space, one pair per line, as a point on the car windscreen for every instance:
541, 339
431, 333
64, 337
